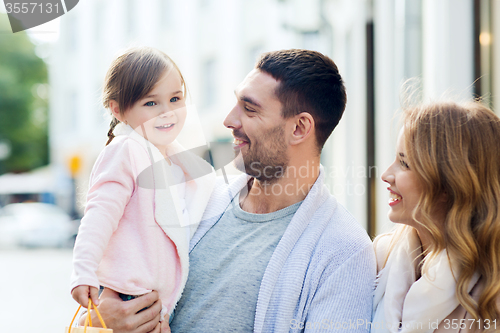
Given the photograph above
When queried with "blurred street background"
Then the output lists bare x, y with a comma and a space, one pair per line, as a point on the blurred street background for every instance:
53, 125
34, 287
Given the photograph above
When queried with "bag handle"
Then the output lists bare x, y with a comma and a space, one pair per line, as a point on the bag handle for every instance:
88, 320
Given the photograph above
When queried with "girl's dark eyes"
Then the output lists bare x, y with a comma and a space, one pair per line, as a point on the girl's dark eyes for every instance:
174, 99
404, 164
150, 104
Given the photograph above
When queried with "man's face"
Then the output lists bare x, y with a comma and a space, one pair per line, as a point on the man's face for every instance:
258, 127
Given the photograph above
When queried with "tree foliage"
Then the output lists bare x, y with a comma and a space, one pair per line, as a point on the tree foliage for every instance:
23, 113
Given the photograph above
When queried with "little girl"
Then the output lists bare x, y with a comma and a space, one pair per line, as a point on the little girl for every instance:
145, 198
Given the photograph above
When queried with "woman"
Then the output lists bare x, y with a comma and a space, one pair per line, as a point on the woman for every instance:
439, 270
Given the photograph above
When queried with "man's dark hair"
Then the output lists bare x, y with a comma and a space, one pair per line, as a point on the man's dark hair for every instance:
308, 82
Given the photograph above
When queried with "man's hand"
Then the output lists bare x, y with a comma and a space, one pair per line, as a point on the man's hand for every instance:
165, 328
81, 294
123, 317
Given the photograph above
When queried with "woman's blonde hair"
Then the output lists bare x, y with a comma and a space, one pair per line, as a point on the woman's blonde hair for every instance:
455, 151
132, 76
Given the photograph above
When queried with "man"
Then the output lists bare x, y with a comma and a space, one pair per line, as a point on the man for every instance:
275, 251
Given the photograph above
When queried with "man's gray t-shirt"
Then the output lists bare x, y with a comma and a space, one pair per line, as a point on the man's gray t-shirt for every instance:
226, 269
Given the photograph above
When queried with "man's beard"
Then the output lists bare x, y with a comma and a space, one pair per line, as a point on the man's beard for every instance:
266, 159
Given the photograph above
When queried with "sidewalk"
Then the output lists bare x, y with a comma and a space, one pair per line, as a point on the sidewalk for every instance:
34, 289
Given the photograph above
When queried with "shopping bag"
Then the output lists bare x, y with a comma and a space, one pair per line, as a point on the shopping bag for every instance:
87, 328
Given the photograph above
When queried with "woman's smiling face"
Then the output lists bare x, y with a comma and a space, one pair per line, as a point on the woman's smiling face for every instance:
404, 186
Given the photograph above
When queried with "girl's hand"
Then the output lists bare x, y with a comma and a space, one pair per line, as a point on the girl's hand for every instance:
81, 294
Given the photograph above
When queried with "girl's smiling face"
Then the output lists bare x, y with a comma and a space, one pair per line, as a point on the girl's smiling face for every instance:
404, 186
160, 115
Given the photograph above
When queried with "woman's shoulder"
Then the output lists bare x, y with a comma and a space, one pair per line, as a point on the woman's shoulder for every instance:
382, 245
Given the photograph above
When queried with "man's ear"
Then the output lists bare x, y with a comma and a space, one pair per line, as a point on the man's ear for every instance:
303, 127
115, 111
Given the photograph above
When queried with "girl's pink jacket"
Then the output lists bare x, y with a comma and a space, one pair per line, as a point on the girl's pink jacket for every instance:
132, 237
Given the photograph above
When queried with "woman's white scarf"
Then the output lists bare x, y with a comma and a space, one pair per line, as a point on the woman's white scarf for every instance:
404, 304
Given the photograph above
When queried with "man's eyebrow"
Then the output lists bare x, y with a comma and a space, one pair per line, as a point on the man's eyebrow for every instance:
248, 100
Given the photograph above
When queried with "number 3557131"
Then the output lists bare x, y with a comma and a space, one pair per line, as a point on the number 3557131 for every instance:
31, 7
